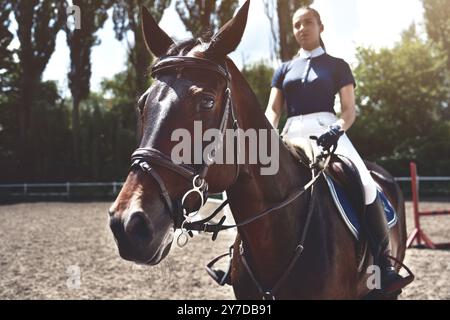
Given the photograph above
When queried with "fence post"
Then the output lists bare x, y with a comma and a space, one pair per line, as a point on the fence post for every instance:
68, 190
418, 234
114, 188
25, 189
415, 196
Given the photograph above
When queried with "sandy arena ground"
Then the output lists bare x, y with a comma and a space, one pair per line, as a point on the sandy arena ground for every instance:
45, 246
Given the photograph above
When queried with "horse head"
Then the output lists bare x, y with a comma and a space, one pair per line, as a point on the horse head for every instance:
192, 85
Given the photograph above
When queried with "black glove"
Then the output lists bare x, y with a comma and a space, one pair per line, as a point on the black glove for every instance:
330, 138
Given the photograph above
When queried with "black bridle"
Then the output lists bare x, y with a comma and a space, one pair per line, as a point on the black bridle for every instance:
146, 158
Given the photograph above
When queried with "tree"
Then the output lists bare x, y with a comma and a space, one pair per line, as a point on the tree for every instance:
8, 68
51, 115
6, 55
283, 41
126, 17
200, 16
401, 95
437, 22
38, 23
9, 81
122, 121
259, 76
107, 133
80, 41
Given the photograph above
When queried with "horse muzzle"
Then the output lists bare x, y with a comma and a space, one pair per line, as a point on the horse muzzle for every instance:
138, 239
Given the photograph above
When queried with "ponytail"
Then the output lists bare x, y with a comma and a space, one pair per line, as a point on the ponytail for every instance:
322, 44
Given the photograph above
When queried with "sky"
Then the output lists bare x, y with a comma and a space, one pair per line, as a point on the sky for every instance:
348, 24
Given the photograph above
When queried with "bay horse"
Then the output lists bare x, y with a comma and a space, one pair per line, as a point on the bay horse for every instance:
299, 248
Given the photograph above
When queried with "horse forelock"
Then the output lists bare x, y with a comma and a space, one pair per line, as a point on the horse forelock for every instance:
195, 47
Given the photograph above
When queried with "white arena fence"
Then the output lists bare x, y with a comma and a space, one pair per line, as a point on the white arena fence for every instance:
439, 186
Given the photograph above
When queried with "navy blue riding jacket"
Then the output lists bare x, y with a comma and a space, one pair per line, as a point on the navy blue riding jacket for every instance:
311, 86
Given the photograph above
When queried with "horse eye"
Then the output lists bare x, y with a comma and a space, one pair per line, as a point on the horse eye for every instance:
207, 103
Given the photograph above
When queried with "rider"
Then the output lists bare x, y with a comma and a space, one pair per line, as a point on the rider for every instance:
309, 84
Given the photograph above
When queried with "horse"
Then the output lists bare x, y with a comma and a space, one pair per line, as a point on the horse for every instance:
291, 242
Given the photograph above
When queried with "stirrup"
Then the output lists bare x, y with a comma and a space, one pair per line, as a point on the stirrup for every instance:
402, 282
221, 277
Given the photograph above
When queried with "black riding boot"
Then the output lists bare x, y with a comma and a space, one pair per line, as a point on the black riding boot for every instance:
378, 238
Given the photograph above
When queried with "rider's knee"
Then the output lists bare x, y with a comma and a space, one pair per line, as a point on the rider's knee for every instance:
370, 191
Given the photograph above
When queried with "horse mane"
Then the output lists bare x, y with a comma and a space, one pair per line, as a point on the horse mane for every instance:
299, 152
183, 47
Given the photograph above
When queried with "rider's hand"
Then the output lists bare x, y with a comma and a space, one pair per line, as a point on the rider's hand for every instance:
330, 137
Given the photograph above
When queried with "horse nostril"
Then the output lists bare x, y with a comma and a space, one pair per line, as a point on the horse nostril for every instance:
138, 228
116, 225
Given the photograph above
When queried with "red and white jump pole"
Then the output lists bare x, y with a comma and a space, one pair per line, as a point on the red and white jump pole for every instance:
418, 234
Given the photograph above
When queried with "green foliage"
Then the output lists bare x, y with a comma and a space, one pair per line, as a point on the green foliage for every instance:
9, 80
200, 16
126, 14
6, 55
259, 76
437, 22
107, 139
49, 143
122, 106
38, 23
8, 130
401, 96
126, 18
81, 41
51, 133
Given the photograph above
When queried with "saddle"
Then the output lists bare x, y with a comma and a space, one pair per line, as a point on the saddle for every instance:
341, 171
345, 185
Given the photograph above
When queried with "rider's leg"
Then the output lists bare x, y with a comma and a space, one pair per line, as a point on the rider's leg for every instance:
375, 223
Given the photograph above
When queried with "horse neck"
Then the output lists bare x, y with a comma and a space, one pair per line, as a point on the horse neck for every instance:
253, 193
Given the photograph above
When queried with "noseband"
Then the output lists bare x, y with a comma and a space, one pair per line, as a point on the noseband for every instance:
146, 158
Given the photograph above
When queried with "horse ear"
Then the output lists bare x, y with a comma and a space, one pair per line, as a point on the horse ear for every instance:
157, 41
229, 36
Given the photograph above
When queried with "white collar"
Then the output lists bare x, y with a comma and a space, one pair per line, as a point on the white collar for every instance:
305, 54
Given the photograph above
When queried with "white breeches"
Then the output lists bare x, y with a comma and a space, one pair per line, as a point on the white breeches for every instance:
302, 127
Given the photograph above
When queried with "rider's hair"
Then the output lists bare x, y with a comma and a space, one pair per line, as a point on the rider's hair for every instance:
317, 16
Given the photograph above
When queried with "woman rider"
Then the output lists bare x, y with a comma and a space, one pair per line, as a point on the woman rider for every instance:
308, 84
